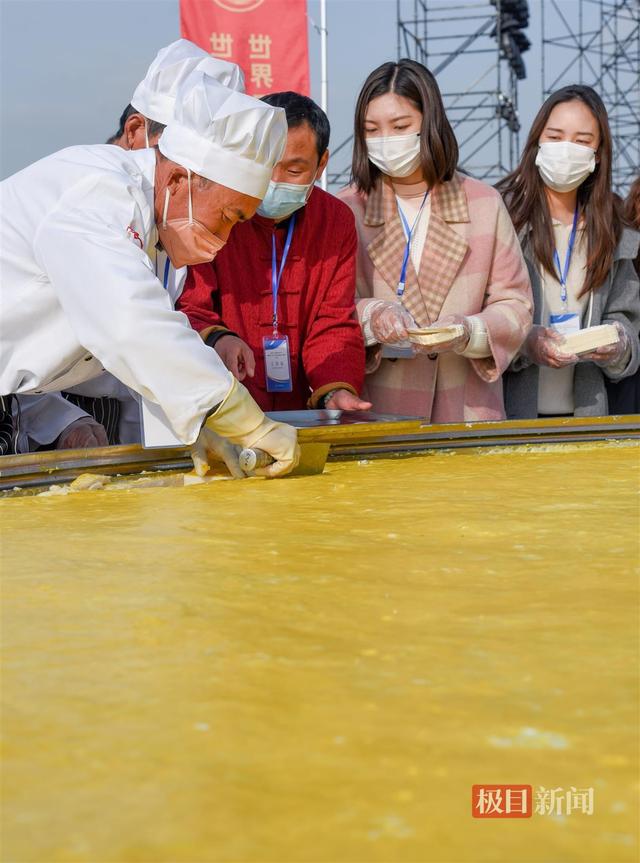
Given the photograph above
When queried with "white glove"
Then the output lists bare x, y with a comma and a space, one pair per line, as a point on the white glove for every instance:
211, 444
543, 346
389, 322
83, 433
609, 355
241, 421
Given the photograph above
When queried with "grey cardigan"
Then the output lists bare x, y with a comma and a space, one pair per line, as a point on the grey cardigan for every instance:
617, 300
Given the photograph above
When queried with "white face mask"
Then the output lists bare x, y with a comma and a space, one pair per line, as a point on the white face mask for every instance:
396, 155
564, 165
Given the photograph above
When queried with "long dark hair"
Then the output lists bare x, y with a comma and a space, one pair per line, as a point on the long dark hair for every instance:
438, 145
524, 195
632, 205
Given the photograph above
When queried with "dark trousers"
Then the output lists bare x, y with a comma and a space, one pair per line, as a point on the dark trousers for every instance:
624, 395
7, 443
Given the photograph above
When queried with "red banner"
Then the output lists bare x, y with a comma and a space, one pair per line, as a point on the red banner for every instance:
266, 38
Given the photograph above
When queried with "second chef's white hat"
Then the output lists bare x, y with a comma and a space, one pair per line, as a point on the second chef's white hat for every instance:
155, 95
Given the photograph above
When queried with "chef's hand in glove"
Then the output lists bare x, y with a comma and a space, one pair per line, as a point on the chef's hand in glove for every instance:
389, 322
83, 433
609, 355
210, 446
237, 356
543, 346
240, 420
457, 344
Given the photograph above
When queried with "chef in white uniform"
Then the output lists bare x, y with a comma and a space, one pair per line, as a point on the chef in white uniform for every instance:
79, 293
152, 107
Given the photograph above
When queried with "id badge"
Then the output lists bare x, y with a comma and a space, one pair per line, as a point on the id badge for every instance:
566, 323
277, 364
398, 352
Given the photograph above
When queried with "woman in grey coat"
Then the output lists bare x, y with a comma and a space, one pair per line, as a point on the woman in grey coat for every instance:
580, 259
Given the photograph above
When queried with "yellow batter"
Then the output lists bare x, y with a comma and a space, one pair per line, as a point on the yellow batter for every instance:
319, 669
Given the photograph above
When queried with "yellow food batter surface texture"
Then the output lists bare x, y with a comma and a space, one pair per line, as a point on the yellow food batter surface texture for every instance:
319, 669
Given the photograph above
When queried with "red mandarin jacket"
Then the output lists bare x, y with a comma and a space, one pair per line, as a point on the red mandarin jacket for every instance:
316, 300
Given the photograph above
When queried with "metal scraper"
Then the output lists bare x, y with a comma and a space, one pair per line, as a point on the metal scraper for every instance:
313, 457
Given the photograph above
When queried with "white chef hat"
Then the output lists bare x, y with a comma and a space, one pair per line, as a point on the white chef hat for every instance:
155, 95
225, 136
228, 74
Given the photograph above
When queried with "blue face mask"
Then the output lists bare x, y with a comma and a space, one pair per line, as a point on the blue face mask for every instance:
283, 199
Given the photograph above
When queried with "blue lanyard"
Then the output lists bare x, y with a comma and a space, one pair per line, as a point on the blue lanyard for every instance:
563, 272
276, 274
407, 249
167, 264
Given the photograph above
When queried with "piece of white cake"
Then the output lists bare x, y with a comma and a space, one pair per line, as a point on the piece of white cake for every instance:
435, 335
583, 341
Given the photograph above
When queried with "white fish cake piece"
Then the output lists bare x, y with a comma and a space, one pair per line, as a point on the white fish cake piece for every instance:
435, 335
589, 339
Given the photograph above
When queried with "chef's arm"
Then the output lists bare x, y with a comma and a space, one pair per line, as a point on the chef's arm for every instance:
48, 419
122, 315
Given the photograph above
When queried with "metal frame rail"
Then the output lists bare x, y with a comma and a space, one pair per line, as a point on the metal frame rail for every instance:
354, 440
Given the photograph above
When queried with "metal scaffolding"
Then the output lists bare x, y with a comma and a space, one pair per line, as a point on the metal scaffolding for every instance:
597, 42
464, 41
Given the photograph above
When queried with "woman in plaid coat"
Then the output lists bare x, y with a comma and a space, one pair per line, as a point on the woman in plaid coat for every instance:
435, 248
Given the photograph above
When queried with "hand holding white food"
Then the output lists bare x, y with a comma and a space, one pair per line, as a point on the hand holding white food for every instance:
543, 346
609, 355
457, 343
237, 356
210, 447
241, 421
83, 433
389, 323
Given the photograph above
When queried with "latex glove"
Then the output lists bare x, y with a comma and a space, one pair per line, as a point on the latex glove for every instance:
241, 421
83, 433
344, 400
389, 322
211, 444
457, 344
237, 356
609, 355
543, 346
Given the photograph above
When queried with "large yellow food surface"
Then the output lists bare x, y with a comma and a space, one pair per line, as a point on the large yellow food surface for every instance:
319, 669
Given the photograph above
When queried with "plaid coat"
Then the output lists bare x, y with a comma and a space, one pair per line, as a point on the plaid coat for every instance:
471, 265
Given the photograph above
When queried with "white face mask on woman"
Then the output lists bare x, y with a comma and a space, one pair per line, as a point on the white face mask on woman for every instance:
564, 165
395, 155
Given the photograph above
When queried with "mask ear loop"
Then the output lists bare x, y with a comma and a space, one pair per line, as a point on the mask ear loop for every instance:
146, 134
190, 204
166, 208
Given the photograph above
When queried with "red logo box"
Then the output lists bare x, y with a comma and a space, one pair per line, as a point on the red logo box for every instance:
501, 801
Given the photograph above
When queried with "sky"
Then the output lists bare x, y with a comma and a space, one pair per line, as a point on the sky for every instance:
69, 67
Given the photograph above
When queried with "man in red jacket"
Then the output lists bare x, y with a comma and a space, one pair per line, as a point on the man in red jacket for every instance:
277, 304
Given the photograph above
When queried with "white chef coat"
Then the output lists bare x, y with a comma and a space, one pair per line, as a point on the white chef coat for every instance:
78, 293
175, 278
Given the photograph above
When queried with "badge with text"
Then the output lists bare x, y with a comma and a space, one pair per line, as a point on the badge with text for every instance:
566, 323
277, 364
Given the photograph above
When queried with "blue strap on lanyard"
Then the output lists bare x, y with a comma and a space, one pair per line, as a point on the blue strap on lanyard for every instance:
563, 272
407, 249
276, 274
167, 265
